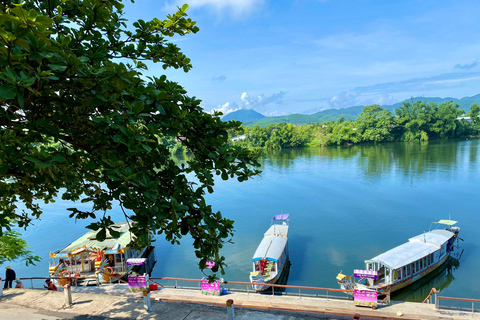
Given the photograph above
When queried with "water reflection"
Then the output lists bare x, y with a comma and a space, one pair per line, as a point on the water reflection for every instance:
407, 159
439, 279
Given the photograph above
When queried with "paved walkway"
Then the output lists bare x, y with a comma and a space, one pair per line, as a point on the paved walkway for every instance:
115, 301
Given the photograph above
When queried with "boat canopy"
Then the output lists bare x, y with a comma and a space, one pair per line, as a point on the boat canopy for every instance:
417, 248
281, 216
88, 242
271, 248
446, 222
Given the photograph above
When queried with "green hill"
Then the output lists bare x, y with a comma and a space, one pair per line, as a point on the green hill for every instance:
350, 113
244, 115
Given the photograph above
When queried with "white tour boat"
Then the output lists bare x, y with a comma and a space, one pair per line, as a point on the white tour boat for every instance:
409, 262
271, 257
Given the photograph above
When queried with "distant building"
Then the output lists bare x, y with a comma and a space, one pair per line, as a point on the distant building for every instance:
242, 137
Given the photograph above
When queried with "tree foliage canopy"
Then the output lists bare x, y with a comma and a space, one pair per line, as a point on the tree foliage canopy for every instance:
80, 121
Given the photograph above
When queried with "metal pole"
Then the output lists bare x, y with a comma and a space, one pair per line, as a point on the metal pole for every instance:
1, 288
31, 283
68, 295
436, 301
146, 299
230, 310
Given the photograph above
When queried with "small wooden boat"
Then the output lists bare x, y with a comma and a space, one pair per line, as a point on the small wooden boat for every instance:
407, 263
271, 257
103, 261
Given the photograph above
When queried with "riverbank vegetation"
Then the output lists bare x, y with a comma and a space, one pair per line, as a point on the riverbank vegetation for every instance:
413, 121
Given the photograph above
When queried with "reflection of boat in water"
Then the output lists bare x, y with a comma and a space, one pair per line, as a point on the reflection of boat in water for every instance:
439, 279
409, 262
271, 257
105, 260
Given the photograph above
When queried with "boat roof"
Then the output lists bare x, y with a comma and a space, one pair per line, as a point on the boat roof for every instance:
270, 248
417, 247
277, 230
110, 243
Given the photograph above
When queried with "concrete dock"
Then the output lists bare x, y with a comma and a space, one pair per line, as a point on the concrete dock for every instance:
115, 301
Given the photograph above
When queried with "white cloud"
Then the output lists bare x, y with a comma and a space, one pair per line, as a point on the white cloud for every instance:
234, 7
226, 108
260, 102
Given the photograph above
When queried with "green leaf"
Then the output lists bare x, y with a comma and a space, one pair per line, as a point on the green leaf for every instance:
56, 67
7, 92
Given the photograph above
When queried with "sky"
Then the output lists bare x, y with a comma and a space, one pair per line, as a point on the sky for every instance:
280, 57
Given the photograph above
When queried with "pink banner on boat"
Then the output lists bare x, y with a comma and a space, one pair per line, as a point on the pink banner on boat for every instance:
368, 274
281, 216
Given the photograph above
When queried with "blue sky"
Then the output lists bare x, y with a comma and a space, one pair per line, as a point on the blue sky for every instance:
280, 57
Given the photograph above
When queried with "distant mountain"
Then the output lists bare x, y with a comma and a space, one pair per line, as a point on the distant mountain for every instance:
350, 113
244, 115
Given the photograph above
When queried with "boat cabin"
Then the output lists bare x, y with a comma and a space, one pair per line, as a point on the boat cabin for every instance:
412, 258
83, 255
271, 252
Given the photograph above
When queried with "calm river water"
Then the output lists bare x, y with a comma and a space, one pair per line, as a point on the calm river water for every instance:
346, 205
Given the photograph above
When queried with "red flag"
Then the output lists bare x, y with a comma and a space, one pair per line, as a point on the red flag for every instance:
99, 256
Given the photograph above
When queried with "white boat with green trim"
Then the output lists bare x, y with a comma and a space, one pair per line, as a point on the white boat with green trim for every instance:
409, 262
271, 257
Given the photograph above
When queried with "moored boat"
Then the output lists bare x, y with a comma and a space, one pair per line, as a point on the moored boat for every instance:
103, 261
271, 257
407, 263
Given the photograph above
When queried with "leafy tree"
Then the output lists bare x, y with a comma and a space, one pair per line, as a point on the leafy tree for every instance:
12, 247
374, 123
79, 120
474, 113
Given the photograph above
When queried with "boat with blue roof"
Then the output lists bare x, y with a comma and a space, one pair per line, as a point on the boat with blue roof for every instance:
271, 257
407, 263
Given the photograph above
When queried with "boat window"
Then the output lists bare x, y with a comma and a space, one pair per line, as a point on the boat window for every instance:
421, 264
399, 273
409, 270
417, 266
413, 267
274, 267
431, 258
404, 272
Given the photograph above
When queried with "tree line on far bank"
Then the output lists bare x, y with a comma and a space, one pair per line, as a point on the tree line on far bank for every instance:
413, 121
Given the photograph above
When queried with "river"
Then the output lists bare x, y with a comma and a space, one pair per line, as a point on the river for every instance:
346, 205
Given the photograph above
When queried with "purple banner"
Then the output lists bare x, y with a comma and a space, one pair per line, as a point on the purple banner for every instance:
368, 274
366, 298
136, 261
281, 217
137, 283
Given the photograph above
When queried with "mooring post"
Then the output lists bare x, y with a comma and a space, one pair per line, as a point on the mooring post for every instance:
146, 299
68, 295
230, 311
1, 288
